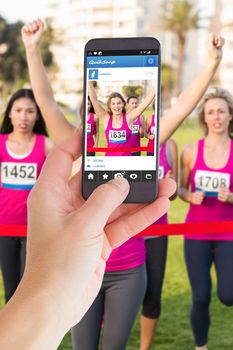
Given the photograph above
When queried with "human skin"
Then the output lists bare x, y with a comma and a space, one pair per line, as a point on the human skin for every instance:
69, 241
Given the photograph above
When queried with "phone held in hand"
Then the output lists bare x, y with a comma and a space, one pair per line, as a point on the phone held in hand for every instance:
121, 115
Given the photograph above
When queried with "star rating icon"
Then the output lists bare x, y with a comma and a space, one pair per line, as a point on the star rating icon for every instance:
105, 176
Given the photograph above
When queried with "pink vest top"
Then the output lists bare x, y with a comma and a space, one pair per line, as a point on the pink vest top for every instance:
164, 166
17, 179
207, 179
151, 131
135, 133
128, 256
90, 130
118, 138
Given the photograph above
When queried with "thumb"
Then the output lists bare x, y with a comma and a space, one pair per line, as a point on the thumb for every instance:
104, 200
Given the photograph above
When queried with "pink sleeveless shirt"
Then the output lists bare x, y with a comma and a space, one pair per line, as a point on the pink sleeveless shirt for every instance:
90, 130
18, 176
164, 166
135, 133
128, 256
151, 131
208, 180
118, 137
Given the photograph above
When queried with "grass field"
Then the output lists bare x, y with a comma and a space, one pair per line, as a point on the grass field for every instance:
174, 332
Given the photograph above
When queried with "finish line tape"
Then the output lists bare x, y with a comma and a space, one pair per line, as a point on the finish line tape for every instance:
153, 230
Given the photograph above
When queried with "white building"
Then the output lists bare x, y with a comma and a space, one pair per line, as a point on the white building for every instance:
226, 70
77, 21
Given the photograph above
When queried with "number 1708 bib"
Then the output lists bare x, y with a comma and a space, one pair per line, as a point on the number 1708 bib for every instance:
211, 181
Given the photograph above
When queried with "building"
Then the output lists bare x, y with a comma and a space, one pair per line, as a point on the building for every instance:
77, 21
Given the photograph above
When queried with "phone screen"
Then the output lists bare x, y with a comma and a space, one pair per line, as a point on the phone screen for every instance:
121, 119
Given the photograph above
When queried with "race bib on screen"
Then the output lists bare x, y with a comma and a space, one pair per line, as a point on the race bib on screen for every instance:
152, 130
88, 128
210, 181
135, 129
18, 176
161, 172
117, 136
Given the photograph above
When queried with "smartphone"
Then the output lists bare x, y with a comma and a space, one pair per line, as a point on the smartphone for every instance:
121, 107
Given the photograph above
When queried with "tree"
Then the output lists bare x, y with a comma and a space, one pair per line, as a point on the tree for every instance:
167, 84
13, 64
132, 90
179, 16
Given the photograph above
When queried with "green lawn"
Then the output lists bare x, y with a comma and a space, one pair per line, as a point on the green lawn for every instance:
174, 332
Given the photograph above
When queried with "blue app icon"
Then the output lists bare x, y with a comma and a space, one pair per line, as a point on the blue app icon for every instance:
93, 74
150, 61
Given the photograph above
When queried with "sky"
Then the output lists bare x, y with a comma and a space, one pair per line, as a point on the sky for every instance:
25, 10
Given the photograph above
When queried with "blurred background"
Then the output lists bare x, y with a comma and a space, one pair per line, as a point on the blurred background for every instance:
180, 25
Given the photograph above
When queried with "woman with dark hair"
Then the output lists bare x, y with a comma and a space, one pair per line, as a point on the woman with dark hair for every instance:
207, 185
23, 148
137, 129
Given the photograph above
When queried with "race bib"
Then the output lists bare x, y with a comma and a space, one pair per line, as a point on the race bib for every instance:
210, 181
161, 172
117, 136
88, 128
135, 129
18, 176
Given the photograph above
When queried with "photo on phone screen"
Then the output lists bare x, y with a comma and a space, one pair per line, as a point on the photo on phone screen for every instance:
121, 115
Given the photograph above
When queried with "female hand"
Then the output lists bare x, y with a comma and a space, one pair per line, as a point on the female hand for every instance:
214, 46
197, 197
224, 194
70, 239
31, 33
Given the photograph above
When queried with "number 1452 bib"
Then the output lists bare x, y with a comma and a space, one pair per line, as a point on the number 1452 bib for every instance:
211, 181
18, 176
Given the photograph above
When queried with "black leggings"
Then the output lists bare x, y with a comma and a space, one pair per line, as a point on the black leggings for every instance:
117, 303
12, 262
156, 255
199, 256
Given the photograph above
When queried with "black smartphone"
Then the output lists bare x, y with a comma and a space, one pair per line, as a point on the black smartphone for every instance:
121, 115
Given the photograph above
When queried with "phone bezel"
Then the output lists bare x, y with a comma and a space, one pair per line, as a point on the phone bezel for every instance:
140, 192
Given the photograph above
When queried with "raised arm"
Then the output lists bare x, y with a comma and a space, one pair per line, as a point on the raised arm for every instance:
190, 97
96, 132
132, 115
56, 122
99, 110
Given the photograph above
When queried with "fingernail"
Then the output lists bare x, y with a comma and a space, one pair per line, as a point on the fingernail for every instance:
120, 182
